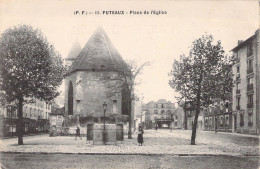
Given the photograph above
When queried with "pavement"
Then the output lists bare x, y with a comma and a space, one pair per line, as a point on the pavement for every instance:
160, 142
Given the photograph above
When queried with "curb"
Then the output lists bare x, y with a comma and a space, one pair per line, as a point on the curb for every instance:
141, 154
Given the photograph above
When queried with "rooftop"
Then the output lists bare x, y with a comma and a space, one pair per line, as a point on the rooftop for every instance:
98, 54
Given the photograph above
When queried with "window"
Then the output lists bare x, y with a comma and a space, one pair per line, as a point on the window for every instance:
241, 120
162, 112
227, 120
250, 49
238, 102
162, 105
249, 81
159, 105
9, 111
238, 69
237, 85
250, 101
168, 112
250, 119
250, 64
155, 111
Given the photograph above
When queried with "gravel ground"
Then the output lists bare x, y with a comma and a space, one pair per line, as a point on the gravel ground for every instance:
160, 142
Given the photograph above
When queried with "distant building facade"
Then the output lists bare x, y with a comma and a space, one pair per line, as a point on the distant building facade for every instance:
189, 116
163, 113
218, 116
246, 90
35, 118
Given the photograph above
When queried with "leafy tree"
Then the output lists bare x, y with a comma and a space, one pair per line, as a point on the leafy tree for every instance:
123, 77
202, 75
30, 69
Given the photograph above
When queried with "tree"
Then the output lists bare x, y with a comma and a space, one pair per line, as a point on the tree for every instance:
30, 69
202, 75
123, 77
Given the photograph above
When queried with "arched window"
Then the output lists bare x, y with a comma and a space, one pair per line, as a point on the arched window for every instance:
162, 112
125, 99
70, 99
168, 112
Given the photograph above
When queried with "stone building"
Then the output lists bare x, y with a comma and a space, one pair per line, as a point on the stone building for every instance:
84, 91
162, 113
35, 118
189, 116
218, 116
246, 90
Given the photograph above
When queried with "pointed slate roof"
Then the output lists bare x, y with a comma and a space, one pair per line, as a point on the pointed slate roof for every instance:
74, 51
98, 54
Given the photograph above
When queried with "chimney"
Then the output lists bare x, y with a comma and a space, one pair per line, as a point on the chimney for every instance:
239, 42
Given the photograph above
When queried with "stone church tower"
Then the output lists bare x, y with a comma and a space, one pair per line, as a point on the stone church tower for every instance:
74, 52
84, 93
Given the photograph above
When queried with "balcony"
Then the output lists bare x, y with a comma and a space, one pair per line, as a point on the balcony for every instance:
238, 107
249, 71
250, 105
238, 91
250, 87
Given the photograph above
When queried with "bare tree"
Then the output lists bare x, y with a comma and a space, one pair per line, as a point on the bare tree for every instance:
122, 78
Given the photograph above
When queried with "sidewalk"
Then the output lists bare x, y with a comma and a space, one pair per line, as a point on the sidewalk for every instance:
162, 142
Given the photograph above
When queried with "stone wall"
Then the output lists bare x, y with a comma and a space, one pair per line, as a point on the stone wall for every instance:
89, 95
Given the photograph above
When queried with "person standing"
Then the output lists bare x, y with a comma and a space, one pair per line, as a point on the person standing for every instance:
216, 124
140, 138
156, 126
78, 133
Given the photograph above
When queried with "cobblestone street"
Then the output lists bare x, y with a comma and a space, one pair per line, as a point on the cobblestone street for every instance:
155, 142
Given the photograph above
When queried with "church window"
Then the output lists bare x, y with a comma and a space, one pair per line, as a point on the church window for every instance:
70, 99
125, 99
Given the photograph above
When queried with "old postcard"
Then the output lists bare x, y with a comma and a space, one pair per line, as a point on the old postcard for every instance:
129, 84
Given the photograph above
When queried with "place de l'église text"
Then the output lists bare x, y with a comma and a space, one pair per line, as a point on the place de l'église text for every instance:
130, 12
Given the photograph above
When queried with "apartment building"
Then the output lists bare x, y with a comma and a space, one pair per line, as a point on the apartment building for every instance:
246, 92
163, 113
35, 118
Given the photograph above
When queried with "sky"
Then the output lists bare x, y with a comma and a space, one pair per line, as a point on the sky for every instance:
157, 39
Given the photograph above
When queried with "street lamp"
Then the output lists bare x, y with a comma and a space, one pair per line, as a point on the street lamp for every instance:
115, 109
104, 132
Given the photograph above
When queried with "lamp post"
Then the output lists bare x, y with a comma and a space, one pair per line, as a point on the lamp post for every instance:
115, 109
104, 132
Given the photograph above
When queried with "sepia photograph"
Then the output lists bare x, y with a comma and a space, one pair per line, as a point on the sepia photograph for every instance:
128, 84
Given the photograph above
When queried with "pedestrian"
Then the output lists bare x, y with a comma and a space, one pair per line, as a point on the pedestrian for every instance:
156, 126
78, 133
216, 124
171, 126
140, 138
